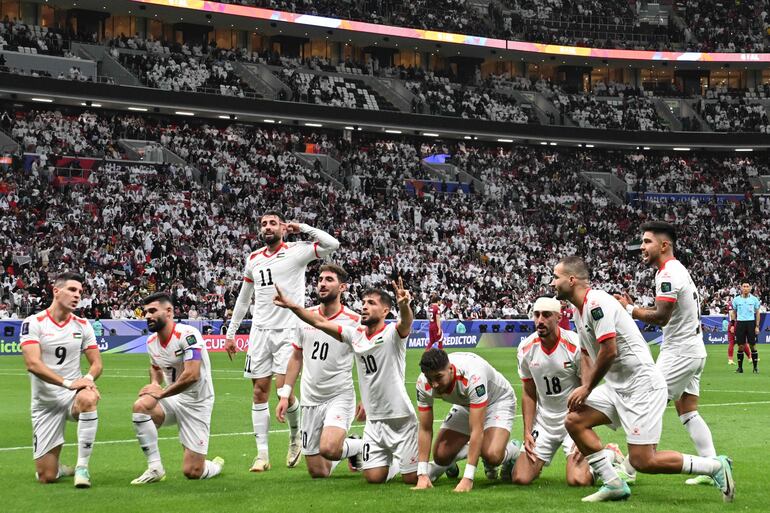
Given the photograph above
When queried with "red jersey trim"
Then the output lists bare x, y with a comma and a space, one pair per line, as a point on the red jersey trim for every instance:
549, 352
248, 280
480, 405
28, 342
79, 320
425, 408
663, 265
666, 299
48, 314
315, 250
173, 332
524, 380
264, 252
369, 337
606, 336
342, 309
155, 367
92, 346
297, 348
580, 308
339, 329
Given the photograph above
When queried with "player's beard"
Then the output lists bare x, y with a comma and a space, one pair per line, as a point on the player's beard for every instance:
158, 325
270, 238
329, 298
369, 321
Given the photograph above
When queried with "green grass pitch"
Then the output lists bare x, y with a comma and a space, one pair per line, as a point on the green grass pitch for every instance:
735, 407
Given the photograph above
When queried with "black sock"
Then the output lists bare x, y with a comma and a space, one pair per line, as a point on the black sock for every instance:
754, 356
740, 359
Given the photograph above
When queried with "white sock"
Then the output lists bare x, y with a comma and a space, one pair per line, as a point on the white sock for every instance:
147, 434
511, 452
699, 433
351, 447
394, 469
626, 466
435, 471
700, 465
334, 465
292, 417
602, 468
88, 421
260, 419
211, 469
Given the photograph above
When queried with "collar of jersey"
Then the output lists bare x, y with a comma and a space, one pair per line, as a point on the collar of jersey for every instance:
558, 341
164, 344
283, 245
580, 308
54, 320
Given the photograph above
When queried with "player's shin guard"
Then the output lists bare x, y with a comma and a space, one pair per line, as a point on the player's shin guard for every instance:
88, 421
292, 417
601, 466
260, 419
147, 435
754, 358
699, 433
740, 359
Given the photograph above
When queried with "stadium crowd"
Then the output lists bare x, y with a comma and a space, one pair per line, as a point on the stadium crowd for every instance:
186, 228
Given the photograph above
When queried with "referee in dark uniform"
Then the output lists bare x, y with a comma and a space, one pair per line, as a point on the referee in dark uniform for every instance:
746, 312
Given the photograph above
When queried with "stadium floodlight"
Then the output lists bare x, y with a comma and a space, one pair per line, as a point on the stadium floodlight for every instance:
87, 104
552, 144
42, 100
505, 140
467, 137
349, 128
183, 113
138, 109
587, 145
544, 143
744, 149
316, 125
227, 116
645, 147
681, 149
429, 134
391, 131
272, 121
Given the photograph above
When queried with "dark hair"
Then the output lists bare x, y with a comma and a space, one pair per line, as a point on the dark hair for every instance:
434, 360
272, 213
384, 296
64, 277
576, 266
161, 297
341, 273
660, 228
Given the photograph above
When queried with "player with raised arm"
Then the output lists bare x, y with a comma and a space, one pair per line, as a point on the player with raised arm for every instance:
435, 332
633, 395
550, 367
391, 426
328, 398
477, 426
52, 342
682, 353
274, 329
179, 358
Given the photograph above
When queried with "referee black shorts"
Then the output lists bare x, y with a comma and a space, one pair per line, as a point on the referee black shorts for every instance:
744, 332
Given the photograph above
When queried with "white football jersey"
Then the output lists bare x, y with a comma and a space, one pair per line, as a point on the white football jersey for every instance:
555, 374
327, 365
60, 346
285, 268
184, 344
603, 317
381, 364
682, 334
476, 384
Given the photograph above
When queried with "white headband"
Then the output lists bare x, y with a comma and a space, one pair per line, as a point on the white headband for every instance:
547, 304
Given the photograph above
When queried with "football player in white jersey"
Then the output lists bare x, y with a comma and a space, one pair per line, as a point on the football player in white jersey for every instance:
682, 354
179, 358
51, 343
479, 423
390, 434
328, 398
633, 394
550, 367
273, 329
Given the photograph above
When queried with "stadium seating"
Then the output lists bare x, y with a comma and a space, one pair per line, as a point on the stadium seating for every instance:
134, 227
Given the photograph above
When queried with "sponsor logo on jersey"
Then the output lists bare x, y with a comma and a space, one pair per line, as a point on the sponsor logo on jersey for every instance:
597, 313
481, 390
665, 286
191, 340
25, 328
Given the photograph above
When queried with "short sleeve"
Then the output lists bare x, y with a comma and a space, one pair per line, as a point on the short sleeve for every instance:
667, 287
424, 394
524, 372
192, 346
757, 304
735, 306
299, 343
478, 390
348, 333
30, 332
89, 338
247, 277
602, 319
395, 336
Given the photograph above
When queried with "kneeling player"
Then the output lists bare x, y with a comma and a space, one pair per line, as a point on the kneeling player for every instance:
549, 366
328, 399
481, 418
52, 342
178, 356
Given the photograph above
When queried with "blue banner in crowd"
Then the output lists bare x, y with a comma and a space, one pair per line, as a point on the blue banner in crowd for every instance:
662, 197
420, 187
130, 336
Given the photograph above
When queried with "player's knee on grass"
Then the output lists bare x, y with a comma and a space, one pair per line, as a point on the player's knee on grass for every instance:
376, 475
522, 477
642, 459
410, 478
47, 475
493, 455
193, 470
317, 467
579, 478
